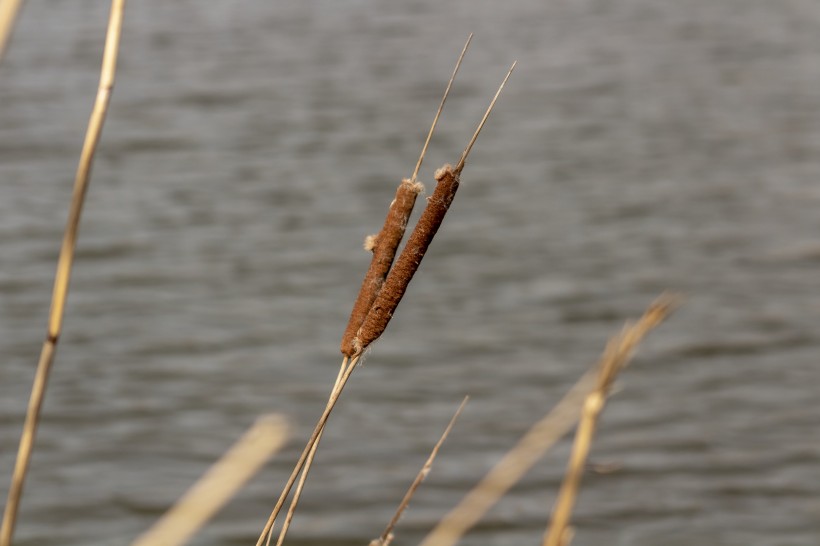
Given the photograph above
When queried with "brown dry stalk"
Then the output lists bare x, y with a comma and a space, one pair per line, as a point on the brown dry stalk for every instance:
219, 484
615, 358
441, 107
387, 536
384, 244
8, 15
544, 434
63, 273
478, 129
408, 262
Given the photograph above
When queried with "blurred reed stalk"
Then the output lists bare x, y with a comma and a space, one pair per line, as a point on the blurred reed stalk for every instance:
616, 356
387, 298
8, 15
219, 484
546, 432
386, 537
62, 277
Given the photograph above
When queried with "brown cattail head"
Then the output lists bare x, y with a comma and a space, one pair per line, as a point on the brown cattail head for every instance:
384, 247
408, 262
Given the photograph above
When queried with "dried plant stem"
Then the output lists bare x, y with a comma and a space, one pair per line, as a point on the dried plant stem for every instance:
317, 431
558, 532
469, 147
387, 536
219, 484
63, 274
616, 356
384, 244
543, 435
306, 470
402, 272
8, 15
440, 108
511, 468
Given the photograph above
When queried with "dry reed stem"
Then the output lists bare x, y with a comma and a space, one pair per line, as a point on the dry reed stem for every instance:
615, 358
386, 537
542, 436
305, 471
384, 244
63, 273
317, 431
469, 147
8, 15
441, 107
219, 484
410, 258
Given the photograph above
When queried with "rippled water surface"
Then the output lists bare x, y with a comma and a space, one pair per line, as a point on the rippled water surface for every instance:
640, 146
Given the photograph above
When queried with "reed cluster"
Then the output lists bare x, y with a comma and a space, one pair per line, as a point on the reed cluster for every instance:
385, 284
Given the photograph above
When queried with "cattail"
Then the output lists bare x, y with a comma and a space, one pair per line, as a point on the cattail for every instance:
384, 247
384, 244
405, 267
401, 274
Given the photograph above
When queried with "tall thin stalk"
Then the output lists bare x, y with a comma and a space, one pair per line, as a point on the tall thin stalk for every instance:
616, 357
402, 272
63, 275
386, 538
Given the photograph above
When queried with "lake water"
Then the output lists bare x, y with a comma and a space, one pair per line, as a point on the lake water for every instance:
639, 146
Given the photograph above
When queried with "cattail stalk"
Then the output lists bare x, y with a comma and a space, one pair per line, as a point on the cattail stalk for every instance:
305, 471
402, 272
317, 431
372, 291
406, 266
384, 247
385, 244
63, 274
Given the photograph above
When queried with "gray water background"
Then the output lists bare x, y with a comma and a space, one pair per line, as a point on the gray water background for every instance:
639, 146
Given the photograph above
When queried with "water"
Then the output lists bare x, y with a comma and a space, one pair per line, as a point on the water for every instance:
640, 146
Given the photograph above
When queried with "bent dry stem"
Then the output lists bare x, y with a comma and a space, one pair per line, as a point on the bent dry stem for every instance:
546, 432
385, 244
616, 356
